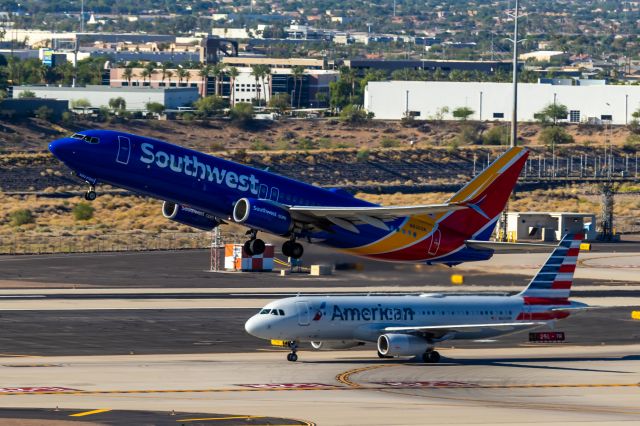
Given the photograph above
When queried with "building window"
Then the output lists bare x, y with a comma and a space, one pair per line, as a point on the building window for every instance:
125, 83
162, 84
574, 116
498, 115
194, 84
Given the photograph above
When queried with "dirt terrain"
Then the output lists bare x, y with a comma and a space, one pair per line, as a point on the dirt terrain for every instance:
217, 135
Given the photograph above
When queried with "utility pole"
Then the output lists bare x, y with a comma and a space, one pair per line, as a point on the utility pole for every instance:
514, 112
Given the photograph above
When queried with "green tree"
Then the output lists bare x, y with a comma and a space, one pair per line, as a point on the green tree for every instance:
117, 104
83, 211
81, 103
27, 94
297, 73
497, 135
44, 113
128, 74
242, 114
280, 101
21, 217
353, 114
155, 108
209, 105
233, 74
463, 113
554, 135
553, 112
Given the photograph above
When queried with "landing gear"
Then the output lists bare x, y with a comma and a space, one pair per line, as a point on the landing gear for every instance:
292, 249
431, 357
293, 356
90, 195
255, 245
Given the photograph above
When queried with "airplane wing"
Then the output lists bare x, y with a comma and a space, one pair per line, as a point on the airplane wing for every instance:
499, 246
441, 330
346, 217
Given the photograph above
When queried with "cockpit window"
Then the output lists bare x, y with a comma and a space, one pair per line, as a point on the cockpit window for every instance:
265, 311
88, 139
274, 312
281, 312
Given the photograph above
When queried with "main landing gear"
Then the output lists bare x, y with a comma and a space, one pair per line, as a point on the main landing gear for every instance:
254, 245
292, 249
90, 195
431, 357
293, 356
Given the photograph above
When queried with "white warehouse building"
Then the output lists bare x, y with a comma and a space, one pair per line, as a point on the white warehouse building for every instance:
391, 100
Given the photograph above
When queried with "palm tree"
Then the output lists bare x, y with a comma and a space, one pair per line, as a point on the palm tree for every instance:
164, 68
204, 72
144, 74
169, 74
233, 74
297, 72
219, 71
182, 73
150, 67
266, 74
128, 75
256, 72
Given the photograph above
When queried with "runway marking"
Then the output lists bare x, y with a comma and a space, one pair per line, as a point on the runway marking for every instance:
351, 386
90, 413
344, 378
37, 389
287, 385
221, 418
435, 384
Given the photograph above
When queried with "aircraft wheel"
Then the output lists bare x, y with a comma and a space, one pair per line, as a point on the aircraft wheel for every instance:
257, 246
287, 248
297, 250
90, 195
432, 357
247, 248
292, 357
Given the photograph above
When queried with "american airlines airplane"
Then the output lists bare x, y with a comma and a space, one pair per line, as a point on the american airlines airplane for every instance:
412, 325
204, 191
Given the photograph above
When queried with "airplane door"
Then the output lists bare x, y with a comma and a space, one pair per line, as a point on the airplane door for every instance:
124, 150
435, 242
263, 192
303, 313
275, 193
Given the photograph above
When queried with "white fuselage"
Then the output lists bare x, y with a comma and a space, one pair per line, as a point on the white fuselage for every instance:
365, 318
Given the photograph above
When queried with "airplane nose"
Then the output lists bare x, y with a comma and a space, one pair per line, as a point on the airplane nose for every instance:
62, 148
257, 327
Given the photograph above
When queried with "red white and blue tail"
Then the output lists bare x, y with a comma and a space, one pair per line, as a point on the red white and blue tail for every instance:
552, 284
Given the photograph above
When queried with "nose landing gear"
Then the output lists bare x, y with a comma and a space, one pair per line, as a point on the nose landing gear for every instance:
292, 356
91, 194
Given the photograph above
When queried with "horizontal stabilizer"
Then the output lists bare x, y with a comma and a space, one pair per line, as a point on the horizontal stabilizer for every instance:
500, 246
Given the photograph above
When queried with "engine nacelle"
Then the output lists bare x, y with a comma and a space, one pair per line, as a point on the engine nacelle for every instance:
336, 344
402, 345
263, 215
189, 216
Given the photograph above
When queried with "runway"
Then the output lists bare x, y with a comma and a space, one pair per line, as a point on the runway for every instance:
155, 338
553, 385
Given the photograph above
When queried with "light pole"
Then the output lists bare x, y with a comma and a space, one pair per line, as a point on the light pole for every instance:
514, 113
553, 139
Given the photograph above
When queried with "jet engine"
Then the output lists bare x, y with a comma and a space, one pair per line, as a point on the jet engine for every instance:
402, 345
336, 344
263, 215
189, 216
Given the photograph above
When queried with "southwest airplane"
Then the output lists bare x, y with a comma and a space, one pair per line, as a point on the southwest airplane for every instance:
204, 191
411, 325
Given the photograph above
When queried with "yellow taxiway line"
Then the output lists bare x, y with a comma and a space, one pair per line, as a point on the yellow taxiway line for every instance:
90, 413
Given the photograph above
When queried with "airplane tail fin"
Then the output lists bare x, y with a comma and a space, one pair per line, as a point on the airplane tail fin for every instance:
552, 284
486, 196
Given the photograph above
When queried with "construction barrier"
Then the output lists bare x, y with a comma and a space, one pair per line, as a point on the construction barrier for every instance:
585, 247
635, 315
236, 259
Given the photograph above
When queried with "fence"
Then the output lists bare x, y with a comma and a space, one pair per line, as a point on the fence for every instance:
20, 243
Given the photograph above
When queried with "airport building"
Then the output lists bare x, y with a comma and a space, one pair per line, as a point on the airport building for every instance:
136, 98
548, 226
392, 100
